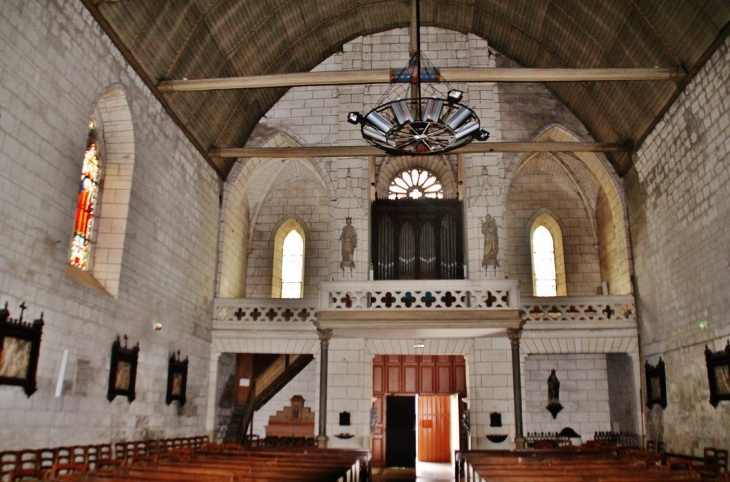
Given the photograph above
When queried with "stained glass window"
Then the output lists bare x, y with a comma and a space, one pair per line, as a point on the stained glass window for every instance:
543, 262
292, 264
88, 195
415, 184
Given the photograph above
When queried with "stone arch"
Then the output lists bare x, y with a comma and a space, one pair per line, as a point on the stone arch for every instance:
611, 227
547, 219
246, 186
288, 223
115, 118
441, 166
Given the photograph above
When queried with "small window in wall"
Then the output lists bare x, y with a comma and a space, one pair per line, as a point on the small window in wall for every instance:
415, 184
292, 265
87, 203
287, 280
548, 259
543, 262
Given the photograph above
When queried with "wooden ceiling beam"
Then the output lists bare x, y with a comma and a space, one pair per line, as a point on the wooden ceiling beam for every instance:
382, 76
360, 151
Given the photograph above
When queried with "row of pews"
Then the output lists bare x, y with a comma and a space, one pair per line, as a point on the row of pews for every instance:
595, 462
215, 463
35, 464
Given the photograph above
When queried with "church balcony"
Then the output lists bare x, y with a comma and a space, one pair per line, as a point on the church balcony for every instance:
580, 324
427, 309
419, 308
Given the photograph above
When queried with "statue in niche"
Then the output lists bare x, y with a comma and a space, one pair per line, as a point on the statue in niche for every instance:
491, 242
349, 243
554, 406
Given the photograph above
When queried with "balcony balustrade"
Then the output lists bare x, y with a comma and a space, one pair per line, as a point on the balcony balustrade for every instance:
469, 307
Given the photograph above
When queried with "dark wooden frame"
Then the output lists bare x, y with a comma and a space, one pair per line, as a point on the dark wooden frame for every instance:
718, 360
122, 355
177, 367
656, 372
417, 212
28, 332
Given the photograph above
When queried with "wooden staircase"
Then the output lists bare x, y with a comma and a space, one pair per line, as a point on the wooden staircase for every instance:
263, 388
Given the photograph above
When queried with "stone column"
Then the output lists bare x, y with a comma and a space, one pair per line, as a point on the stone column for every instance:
514, 335
324, 340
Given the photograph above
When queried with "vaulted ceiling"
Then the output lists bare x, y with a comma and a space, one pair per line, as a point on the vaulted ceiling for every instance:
176, 39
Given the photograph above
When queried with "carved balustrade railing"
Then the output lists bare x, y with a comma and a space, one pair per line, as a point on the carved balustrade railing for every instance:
578, 308
420, 295
266, 310
425, 295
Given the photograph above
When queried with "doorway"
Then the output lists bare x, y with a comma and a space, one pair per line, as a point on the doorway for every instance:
416, 376
400, 435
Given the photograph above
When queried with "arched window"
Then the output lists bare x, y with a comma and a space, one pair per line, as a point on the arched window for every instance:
543, 262
87, 202
548, 267
287, 280
292, 265
415, 184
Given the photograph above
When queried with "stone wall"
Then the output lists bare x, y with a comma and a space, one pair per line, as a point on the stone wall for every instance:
583, 394
678, 206
56, 64
535, 192
297, 193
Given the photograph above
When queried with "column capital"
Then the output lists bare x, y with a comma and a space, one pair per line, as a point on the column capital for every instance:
324, 334
514, 335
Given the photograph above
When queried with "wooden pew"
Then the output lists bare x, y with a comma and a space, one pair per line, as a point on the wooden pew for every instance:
574, 466
231, 463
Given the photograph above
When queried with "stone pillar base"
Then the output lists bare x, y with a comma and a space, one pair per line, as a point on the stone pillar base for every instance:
322, 441
520, 442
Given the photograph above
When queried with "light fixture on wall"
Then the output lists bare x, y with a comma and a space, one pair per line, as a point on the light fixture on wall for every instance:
419, 125
419, 344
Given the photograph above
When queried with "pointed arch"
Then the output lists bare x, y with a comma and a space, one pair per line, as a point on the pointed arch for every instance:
115, 139
287, 278
243, 193
608, 205
548, 258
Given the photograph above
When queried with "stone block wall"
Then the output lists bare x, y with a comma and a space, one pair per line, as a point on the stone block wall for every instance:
349, 389
678, 206
295, 192
56, 64
532, 193
583, 393
490, 389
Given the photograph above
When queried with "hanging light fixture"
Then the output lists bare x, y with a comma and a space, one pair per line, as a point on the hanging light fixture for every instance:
419, 125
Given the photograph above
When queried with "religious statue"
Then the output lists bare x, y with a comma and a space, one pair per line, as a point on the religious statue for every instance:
349, 243
491, 242
554, 405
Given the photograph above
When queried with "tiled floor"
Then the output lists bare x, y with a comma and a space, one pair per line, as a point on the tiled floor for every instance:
424, 472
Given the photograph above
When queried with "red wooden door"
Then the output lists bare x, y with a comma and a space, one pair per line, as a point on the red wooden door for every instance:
433, 428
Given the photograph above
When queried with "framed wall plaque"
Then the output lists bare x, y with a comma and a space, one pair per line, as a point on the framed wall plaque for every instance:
20, 345
656, 384
123, 370
718, 374
177, 379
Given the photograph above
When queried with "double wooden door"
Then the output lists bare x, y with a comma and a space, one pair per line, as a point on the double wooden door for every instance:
408, 375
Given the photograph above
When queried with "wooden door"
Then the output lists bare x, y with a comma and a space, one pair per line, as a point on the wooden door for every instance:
434, 443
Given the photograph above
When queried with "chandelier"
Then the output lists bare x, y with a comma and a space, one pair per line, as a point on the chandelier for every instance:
419, 124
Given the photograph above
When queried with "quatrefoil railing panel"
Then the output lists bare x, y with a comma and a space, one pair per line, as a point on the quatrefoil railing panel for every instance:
420, 295
266, 310
579, 308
